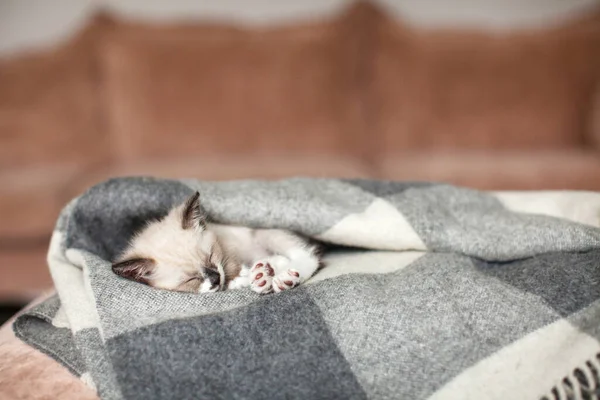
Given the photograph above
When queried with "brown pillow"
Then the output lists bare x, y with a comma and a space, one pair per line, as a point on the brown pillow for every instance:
49, 105
453, 89
593, 126
200, 89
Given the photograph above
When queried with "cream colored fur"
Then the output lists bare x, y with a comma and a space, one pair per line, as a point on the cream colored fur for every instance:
183, 258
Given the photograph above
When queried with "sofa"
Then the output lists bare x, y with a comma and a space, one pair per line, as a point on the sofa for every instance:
358, 94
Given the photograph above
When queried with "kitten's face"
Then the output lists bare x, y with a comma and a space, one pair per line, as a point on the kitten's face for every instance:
178, 253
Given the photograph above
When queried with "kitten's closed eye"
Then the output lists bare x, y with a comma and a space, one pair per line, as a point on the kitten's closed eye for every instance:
192, 284
192, 279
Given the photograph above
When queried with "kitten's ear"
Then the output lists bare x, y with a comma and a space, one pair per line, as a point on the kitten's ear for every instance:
135, 269
193, 214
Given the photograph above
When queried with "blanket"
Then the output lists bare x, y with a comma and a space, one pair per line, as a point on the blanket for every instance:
431, 292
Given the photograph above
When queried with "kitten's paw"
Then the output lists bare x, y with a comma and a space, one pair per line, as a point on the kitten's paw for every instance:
241, 281
286, 280
261, 277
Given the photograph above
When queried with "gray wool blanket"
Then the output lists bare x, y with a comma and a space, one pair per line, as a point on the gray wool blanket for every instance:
434, 292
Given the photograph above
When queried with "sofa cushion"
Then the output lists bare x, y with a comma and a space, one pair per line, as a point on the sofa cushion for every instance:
476, 89
31, 199
593, 122
24, 271
49, 105
498, 170
200, 89
230, 168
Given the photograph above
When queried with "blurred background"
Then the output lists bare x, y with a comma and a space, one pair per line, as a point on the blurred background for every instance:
491, 94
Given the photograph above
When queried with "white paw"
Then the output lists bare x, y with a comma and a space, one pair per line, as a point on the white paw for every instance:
239, 282
261, 277
286, 280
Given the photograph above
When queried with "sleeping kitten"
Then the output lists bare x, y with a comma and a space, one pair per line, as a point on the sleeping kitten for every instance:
183, 252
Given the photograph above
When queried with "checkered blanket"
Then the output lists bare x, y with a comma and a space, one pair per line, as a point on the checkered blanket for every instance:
435, 292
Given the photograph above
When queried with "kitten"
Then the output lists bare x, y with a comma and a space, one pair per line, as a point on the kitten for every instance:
184, 252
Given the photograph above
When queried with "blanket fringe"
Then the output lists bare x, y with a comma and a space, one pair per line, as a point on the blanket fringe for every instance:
583, 383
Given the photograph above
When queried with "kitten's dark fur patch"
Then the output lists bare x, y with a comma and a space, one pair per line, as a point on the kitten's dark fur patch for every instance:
136, 269
193, 214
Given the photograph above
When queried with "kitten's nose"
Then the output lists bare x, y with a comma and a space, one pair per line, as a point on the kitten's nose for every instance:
213, 277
